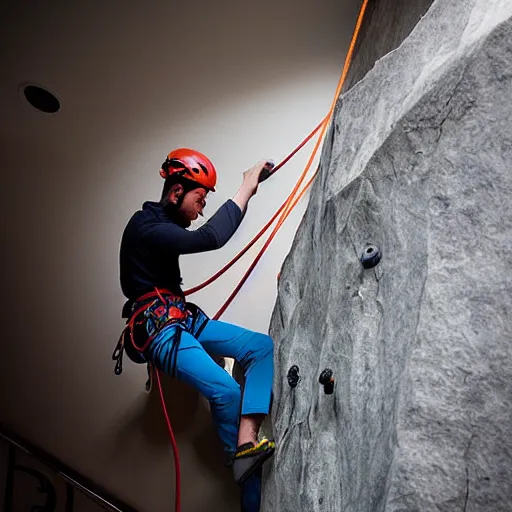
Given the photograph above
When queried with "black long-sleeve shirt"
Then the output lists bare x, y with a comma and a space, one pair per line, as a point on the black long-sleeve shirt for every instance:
152, 243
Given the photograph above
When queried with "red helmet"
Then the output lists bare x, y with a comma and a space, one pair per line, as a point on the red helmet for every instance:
191, 165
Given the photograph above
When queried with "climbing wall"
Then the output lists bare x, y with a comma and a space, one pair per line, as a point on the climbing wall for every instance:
418, 163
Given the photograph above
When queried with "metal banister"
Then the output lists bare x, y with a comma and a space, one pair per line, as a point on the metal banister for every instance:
69, 475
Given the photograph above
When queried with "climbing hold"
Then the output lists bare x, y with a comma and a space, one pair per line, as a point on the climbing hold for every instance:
293, 376
371, 256
327, 381
266, 172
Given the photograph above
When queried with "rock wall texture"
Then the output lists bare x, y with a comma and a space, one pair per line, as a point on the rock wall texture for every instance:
386, 24
418, 161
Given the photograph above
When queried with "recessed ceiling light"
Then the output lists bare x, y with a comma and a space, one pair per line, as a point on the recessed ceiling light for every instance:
41, 99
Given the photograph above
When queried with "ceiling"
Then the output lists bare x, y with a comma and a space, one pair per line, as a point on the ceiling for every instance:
132, 64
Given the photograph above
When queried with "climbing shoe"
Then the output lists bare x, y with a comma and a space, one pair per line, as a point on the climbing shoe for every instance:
248, 458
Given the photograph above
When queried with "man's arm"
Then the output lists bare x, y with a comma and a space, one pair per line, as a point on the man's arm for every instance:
210, 236
218, 230
250, 184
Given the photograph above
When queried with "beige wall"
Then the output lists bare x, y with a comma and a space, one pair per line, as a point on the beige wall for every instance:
243, 84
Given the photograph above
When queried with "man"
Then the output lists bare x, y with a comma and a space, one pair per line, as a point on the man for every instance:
177, 337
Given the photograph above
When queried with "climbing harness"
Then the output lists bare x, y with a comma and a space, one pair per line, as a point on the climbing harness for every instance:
146, 317
284, 211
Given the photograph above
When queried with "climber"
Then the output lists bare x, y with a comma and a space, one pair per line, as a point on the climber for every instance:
176, 336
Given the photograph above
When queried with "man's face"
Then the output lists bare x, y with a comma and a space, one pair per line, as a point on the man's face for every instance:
193, 205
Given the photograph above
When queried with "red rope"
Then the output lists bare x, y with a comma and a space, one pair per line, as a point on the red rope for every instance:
264, 229
298, 148
288, 206
258, 257
177, 491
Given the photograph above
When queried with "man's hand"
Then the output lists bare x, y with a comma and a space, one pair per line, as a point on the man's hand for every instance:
252, 175
251, 181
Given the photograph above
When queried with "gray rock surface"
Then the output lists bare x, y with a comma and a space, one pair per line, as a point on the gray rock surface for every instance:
385, 25
419, 162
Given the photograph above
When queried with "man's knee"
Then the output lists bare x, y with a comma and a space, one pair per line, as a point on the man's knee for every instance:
257, 348
262, 347
267, 344
228, 395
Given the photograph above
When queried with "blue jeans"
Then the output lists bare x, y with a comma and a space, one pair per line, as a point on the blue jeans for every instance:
252, 350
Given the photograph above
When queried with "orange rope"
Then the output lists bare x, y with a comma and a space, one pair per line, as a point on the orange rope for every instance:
260, 254
285, 208
289, 204
263, 230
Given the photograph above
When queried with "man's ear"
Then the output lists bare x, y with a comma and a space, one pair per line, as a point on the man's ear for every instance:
175, 193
